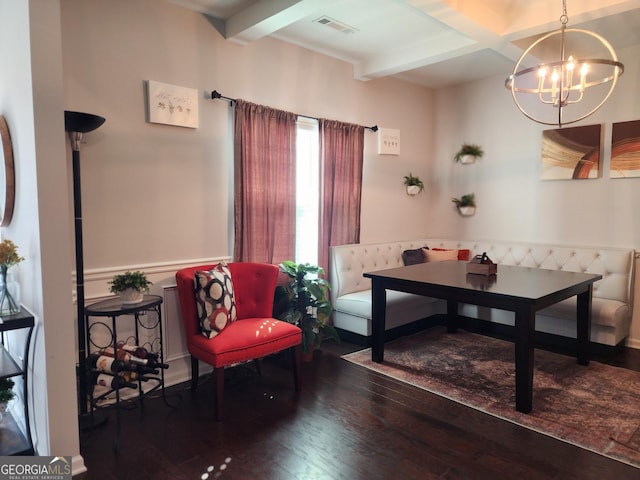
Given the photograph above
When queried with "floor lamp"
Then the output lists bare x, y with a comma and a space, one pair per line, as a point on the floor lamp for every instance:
77, 123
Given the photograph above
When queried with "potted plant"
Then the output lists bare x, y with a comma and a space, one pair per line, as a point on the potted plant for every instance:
6, 394
131, 286
466, 204
304, 301
414, 184
468, 153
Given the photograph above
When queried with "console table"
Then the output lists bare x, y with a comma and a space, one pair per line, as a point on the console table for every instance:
518, 289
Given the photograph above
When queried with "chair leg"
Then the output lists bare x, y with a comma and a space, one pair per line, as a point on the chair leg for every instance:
194, 373
256, 362
296, 355
218, 374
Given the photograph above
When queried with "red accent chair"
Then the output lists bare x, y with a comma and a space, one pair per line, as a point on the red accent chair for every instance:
253, 335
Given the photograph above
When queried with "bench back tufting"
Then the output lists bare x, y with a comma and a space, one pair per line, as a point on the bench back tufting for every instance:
616, 265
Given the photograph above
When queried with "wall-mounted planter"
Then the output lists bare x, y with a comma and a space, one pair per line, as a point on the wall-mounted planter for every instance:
466, 204
414, 184
468, 153
467, 211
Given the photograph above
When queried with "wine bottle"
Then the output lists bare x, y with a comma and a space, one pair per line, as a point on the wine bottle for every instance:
109, 364
156, 364
137, 351
133, 377
143, 353
120, 354
112, 381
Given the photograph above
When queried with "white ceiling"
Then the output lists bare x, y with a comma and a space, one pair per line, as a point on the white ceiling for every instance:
434, 43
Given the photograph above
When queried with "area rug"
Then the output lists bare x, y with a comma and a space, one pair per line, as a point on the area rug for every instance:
595, 407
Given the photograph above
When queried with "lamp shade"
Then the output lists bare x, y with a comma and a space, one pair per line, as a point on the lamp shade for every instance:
81, 122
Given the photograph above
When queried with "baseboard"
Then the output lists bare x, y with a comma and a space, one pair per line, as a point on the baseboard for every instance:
77, 465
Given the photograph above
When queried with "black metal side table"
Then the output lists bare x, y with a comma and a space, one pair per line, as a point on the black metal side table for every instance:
115, 308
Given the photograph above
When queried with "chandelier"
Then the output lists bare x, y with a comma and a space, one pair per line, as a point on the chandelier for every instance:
556, 72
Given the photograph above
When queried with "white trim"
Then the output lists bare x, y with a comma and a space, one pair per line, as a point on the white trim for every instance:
96, 280
77, 465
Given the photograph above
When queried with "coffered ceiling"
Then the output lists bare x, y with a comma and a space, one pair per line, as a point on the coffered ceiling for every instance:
434, 43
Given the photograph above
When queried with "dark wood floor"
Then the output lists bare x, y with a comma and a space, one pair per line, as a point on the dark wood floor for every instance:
346, 423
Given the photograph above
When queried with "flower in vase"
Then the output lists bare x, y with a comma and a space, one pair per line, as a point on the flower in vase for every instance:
8, 257
9, 254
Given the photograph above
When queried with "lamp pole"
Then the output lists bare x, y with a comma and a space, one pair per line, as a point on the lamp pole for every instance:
76, 124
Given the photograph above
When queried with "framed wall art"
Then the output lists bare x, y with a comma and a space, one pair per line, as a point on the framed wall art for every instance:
571, 153
172, 105
388, 141
625, 150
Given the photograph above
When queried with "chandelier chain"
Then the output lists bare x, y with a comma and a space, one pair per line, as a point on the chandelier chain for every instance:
564, 19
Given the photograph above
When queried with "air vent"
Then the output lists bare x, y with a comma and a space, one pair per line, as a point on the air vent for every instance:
340, 27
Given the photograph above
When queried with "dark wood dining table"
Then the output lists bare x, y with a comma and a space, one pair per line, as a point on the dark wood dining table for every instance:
521, 290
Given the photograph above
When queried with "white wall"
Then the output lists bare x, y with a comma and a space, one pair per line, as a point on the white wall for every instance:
153, 192
31, 100
513, 203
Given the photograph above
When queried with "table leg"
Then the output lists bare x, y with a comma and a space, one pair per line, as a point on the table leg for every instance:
452, 316
525, 327
584, 325
378, 314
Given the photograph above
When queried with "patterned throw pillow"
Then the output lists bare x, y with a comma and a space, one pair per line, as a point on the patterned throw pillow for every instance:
216, 306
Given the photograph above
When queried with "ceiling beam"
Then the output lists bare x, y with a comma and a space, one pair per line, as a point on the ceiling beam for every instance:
470, 32
268, 16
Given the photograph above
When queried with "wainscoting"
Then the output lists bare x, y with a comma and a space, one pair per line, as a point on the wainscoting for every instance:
175, 346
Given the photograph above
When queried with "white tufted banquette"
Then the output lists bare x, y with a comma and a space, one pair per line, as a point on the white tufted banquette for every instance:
612, 296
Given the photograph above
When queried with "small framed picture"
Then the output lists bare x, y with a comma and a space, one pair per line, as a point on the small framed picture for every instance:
172, 105
388, 141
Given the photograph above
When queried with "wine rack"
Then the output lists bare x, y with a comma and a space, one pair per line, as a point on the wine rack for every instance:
102, 336
12, 440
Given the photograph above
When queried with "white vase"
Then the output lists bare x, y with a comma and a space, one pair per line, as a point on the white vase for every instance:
131, 295
466, 159
413, 189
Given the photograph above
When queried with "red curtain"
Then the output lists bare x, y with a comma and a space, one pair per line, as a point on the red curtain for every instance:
264, 184
341, 160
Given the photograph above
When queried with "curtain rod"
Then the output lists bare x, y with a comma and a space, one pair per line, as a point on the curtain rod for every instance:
217, 95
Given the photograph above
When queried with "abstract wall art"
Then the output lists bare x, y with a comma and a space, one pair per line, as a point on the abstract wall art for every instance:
625, 150
571, 153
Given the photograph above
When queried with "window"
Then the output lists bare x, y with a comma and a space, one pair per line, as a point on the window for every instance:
307, 190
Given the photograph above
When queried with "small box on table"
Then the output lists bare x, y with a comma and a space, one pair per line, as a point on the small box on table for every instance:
482, 265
